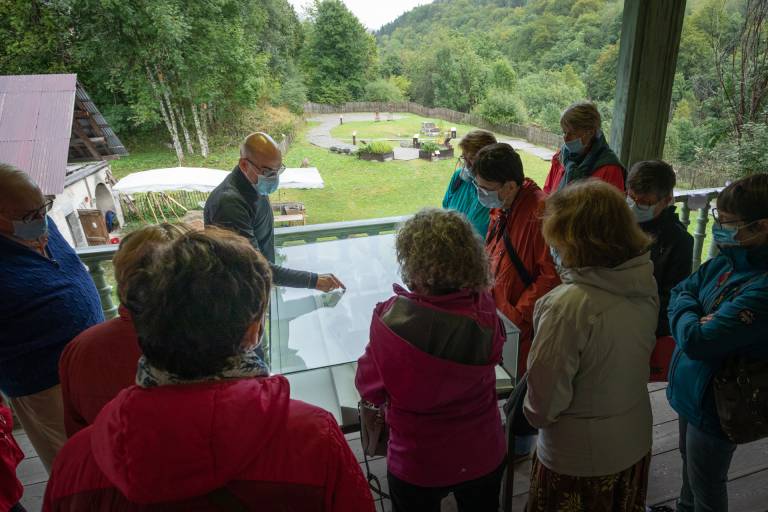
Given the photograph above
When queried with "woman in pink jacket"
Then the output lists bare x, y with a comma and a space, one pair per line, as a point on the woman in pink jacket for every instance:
430, 361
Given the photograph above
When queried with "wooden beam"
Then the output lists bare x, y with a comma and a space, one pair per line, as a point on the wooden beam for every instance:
650, 41
86, 140
94, 125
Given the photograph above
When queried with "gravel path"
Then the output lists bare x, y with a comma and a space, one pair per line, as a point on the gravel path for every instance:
320, 135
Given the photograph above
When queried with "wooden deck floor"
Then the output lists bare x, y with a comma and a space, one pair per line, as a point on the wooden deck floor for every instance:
748, 477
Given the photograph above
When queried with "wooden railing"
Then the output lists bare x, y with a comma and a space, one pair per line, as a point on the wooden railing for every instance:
97, 257
532, 134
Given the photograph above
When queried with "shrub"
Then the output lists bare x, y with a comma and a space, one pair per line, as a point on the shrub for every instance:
502, 107
382, 90
429, 146
377, 148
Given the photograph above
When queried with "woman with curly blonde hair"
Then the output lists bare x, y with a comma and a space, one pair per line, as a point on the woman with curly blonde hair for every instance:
431, 363
589, 364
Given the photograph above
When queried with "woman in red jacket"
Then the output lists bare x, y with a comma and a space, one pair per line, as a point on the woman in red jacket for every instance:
585, 152
431, 359
10, 456
206, 428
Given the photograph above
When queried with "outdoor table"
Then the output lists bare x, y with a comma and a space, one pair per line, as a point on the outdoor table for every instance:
315, 339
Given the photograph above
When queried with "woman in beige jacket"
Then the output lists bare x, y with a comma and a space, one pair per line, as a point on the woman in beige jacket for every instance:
589, 364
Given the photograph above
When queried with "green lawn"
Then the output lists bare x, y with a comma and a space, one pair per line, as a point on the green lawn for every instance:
354, 189
404, 128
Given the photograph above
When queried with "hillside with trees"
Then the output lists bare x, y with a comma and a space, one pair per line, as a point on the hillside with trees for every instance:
523, 61
193, 67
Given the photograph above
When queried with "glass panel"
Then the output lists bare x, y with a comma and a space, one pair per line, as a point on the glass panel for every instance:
309, 329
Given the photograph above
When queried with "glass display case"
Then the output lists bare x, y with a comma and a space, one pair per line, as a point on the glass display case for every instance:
316, 338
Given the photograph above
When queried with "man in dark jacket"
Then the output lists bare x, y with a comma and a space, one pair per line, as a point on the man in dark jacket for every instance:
650, 194
241, 204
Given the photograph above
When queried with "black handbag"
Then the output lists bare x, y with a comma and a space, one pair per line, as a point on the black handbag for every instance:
741, 399
741, 388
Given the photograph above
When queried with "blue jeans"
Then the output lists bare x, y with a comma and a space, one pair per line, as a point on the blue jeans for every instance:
706, 459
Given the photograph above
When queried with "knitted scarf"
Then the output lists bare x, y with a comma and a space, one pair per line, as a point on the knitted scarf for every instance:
242, 365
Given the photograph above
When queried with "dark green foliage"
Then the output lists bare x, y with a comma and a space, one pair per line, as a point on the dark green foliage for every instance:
32, 39
338, 54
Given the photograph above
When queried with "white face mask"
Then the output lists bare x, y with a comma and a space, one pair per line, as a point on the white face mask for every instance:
489, 198
642, 213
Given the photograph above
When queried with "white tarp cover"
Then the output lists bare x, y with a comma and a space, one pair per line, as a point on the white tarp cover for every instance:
198, 179
301, 177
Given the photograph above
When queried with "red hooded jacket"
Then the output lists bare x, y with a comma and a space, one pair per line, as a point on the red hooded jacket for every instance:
170, 447
513, 298
10, 456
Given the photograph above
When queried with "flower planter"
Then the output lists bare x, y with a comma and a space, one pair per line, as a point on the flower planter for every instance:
379, 157
442, 154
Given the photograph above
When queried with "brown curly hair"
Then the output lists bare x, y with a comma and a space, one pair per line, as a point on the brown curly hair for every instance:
439, 252
193, 305
591, 225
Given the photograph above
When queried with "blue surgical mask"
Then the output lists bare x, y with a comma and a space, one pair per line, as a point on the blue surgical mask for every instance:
32, 230
466, 174
724, 235
642, 213
575, 146
266, 186
556, 258
489, 198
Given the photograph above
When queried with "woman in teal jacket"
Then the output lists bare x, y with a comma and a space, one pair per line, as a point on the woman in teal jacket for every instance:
461, 194
719, 311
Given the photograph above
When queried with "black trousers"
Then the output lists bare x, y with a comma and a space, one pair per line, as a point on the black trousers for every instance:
479, 495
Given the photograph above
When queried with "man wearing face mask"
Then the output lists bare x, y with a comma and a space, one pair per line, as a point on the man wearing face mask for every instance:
461, 194
48, 298
650, 195
241, 204
520, 261
585, 152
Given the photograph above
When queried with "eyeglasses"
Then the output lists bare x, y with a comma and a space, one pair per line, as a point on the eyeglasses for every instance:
38, 212
716, 215
268, 172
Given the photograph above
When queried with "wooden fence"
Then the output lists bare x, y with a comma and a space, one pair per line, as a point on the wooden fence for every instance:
532, 134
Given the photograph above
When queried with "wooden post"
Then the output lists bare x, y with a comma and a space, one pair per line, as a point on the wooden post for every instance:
650, 40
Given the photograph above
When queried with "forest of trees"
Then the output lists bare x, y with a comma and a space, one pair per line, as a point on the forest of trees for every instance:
194, 66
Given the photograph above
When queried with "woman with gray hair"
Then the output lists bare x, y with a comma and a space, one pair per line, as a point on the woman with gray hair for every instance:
585, 152
430, 363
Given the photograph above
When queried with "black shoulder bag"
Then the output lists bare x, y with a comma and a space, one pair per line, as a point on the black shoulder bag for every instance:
741, 392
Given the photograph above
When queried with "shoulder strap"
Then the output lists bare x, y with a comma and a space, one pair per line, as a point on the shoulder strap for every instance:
501, 225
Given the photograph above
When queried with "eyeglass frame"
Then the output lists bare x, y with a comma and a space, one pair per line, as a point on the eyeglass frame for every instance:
271, 173
37, 213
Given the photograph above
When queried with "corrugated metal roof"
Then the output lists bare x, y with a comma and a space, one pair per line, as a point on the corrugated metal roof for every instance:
113, 143
36, 125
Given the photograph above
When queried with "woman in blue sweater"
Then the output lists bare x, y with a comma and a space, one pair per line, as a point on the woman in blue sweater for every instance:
461, 194
719, 311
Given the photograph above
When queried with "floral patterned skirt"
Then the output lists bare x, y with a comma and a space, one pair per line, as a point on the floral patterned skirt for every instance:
622, 492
